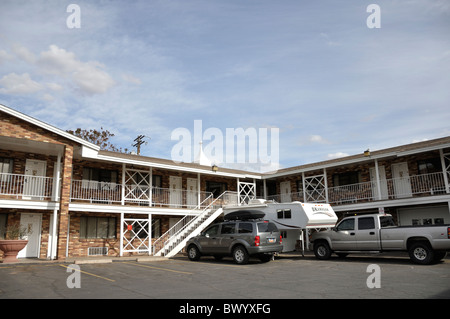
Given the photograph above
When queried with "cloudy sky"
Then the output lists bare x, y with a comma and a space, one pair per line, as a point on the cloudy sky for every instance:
314, 70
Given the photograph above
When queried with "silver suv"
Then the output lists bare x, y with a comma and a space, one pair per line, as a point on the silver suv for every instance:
239, 239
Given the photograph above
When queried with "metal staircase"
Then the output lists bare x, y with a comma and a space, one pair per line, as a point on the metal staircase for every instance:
174, 240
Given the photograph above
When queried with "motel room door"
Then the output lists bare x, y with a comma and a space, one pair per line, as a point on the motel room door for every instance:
31, 222
402, 183
175, 197
33, 185
192, 192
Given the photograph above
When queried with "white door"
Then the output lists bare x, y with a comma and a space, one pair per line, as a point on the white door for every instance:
34, 181
402, 184
285, 192
31, 222
192, 192
175, 197
383, 182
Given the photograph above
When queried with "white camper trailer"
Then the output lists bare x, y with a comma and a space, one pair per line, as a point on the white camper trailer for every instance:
292, 219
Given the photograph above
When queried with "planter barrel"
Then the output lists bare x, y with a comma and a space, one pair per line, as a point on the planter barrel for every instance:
11, 248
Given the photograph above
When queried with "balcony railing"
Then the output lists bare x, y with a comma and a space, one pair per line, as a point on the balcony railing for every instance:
26, 186
394, 188
111, 193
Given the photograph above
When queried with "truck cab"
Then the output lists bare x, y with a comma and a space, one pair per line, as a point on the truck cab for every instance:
358, 232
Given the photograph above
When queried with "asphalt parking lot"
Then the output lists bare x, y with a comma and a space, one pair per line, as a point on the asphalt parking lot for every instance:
287, 277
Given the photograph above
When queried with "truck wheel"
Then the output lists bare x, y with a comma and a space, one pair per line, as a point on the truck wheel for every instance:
322, 250
240, 255
193, 253
421, 253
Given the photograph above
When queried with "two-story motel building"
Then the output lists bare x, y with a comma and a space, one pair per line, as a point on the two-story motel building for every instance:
81, 201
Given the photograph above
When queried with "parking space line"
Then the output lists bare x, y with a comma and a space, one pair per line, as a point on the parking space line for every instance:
88, 273
158, 268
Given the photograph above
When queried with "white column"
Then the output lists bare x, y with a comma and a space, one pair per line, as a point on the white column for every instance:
123, 183
326, 184
199, 199
150, 186
150, 251
304, 188
264, 189
377, 179
121, 234
53, 238
444, 170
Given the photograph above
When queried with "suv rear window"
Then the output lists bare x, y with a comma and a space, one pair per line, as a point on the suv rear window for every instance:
266, 227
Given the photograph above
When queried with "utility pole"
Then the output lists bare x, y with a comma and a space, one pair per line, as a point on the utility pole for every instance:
138, 142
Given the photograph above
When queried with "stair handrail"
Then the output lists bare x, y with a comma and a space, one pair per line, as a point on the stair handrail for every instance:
197, 217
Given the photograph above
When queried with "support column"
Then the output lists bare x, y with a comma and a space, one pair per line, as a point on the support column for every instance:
123, 184
53, 238
325, 179
377, 179
445, 171
64, 202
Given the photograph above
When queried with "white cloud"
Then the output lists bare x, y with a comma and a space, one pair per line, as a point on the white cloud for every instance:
19, 84
317, 139
337, 155
87, 76
23, 53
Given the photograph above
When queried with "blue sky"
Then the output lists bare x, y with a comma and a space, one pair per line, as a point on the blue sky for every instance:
312, 69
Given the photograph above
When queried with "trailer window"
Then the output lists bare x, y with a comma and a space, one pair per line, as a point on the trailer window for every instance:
366, 223
284, 213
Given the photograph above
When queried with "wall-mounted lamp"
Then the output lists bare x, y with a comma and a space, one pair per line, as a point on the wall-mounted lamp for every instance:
215, 168
367, 153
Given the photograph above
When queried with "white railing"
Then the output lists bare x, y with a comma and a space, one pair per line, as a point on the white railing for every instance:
26, 186
109, 193
416, 185
96, 192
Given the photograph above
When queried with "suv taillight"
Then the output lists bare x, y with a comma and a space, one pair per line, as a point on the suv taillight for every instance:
257, 240
448, 232
281, 239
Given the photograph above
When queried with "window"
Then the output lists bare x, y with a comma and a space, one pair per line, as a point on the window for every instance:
244, 228
157, 181
284, 214
156, 227
6, 165
99, 175
212, 231
3, 219
387, 221
439, 221
228, 228
97, 227
347, 178
432, 165
216, 188
348, 224
366, 223
266, 227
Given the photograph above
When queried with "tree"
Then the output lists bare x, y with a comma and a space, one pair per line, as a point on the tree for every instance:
100, 138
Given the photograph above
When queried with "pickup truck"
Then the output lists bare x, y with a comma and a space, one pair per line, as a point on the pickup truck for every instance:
378, 233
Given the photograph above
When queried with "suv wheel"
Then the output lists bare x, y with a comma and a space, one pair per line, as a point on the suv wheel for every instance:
240, 255
193, 253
